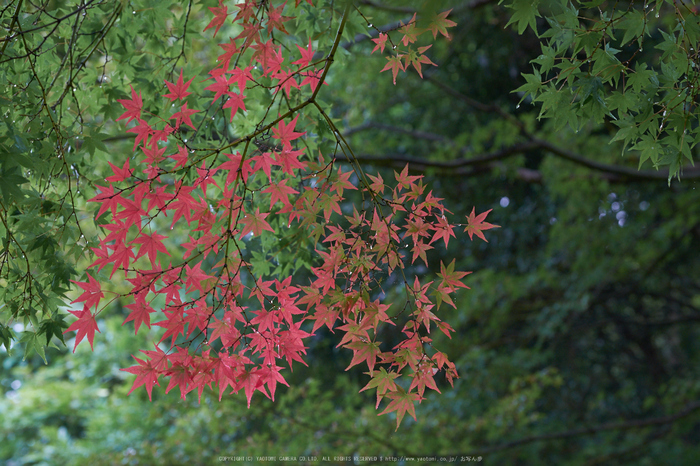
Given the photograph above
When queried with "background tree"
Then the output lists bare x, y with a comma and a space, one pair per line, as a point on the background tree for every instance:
577, 339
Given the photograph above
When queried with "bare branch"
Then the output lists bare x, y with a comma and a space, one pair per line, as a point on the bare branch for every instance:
380, 6
472, 5
396, 129
626, 425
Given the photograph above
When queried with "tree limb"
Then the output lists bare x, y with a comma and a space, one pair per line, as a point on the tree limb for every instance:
615, 172
627, 425
472, 5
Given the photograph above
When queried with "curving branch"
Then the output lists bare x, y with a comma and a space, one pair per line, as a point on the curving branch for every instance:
622, 172
392, 8
689, 409
470, 5
397, 129
613, 173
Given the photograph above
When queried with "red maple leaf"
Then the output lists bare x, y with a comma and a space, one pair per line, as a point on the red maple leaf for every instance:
234, 102
133, 107
285, 131
224, 329
120, 174
287, 81
280, 192
270, 375
307, 55
146, 374
250, 382
265, 319
183, 116
402, 402
450, 277
196, 278
220, 14
409, 31
443, 230
236, 165
85, 326
150, 245
343, 182
220, 87
256, 223
364, 351
93, 292
108, 198
179, 90
131, 213
158, 198
247, 11
206, 177
394, 64
121, 258
289, 159
264, 53
140, 314
262, 289
174, 324
275, 20
264, 162
312, 78
416, 58
117, 231
377, 183
419, 248
180, 377
180, 157
383, 381
241, 77
476, 224
230, 50
143, 131
324, 316
404, 180
183, 204
424, 378
380, 41
250, 32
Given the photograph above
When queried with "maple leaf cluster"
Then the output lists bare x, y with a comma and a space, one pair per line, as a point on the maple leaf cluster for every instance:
223, 324
401, 58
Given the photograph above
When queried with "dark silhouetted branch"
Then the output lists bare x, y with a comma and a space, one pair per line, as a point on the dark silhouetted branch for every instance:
626, 425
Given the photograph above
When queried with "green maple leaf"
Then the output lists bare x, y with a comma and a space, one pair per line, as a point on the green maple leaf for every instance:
53, 327
10, 182
524, 13
440, 23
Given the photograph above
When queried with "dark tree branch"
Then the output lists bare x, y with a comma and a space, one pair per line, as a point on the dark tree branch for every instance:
397, 129
614, 172
395, 9
472, 5
394, 160
624, 172
627, 425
